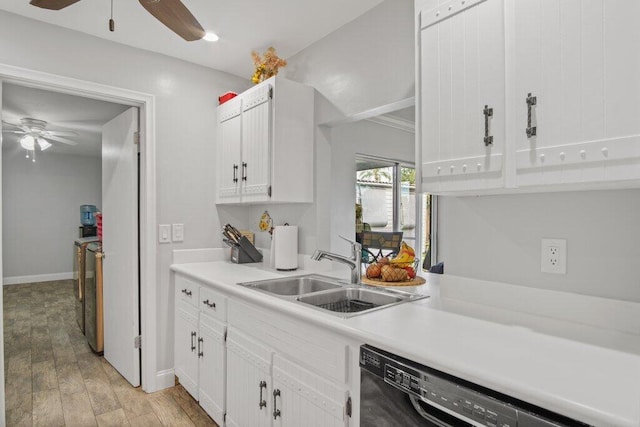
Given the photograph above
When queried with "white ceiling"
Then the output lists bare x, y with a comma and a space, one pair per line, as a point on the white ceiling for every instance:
243, 26
62, 112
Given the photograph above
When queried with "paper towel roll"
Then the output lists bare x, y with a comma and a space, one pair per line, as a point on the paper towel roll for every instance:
286, 247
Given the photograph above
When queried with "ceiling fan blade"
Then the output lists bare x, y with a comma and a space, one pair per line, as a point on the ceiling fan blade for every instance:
14, 125
62, 140
52, 4
19, 132
59, 133
176, 16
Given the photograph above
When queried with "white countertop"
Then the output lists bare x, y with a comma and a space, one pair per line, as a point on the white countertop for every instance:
576, 368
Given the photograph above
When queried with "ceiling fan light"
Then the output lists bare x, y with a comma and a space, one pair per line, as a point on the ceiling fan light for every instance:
211, 37
43, 143
27, 142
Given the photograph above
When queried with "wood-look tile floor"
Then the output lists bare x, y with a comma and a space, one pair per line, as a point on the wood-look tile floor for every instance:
52, 378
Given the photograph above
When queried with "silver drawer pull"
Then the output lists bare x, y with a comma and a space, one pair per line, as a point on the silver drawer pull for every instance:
193, 346
531, 101
200, 352
186, 292
488, 112
209, 304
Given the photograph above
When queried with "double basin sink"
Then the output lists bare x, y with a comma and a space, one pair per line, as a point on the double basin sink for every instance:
332, 296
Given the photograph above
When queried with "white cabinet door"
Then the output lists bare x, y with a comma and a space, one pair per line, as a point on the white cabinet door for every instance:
301, 395
229, 143
462, 73
579, 60
256, 144
185, 346
249, 388
212, 367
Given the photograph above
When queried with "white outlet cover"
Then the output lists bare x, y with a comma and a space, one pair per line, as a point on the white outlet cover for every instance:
553, 256
164, 233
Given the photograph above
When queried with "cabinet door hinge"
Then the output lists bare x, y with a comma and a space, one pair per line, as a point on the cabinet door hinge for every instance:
137, 342
136, 138
348, 407
269, 191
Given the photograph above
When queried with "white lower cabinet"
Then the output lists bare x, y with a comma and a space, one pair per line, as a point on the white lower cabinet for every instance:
249, 385
252, 367
199, 347
301, 396
186, 356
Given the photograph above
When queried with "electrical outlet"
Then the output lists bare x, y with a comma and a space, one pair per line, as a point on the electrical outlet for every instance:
553, 256
164, 233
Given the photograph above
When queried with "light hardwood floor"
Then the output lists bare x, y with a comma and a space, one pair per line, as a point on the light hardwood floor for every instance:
53, 379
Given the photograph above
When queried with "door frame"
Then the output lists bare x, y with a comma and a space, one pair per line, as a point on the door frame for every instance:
148, 221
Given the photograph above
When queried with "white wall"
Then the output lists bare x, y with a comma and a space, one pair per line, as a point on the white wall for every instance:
41, 212
498, 238
186, 99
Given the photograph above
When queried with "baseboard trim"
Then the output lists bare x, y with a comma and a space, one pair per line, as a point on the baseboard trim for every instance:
16, 280
164, 379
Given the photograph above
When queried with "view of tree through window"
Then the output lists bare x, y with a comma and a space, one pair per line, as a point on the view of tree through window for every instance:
389, 206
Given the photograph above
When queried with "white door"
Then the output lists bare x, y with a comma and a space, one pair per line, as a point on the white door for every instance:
462, 81
256, 145
229, 117
211, 372
249, 388
120, 244
186, 347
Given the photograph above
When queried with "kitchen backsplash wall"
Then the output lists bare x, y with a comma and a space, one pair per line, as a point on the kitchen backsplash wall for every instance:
498, 238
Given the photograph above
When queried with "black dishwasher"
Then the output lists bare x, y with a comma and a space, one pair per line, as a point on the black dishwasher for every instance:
398, 392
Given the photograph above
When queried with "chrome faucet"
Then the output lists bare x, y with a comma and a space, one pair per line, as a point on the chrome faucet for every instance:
354, 261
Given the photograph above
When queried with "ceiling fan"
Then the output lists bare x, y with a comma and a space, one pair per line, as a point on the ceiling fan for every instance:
34, 134
172, 13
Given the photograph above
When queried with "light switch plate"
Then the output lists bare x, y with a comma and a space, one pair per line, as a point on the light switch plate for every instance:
178, 232
164, 233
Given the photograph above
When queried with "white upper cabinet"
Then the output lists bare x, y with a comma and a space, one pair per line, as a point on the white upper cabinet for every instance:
265, 144
462, 95
561, 77
579, 60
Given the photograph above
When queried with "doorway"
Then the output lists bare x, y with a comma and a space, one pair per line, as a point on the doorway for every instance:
146, 104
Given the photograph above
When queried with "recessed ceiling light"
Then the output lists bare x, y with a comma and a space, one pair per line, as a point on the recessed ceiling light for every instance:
211, 37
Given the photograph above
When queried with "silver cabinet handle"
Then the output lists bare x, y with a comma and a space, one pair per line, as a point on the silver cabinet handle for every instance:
531, 101
244, 171
193, 346
488, 112
276, 412
209, 304
200, 341
263, 403
235, 173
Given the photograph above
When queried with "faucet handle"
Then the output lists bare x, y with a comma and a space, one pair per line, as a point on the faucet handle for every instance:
353, 242
356, 247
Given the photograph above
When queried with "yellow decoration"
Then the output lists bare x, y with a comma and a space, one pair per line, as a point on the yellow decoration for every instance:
266, 65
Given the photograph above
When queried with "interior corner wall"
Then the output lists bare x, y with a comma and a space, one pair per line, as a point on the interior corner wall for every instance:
41, 211
365, 64
186, 97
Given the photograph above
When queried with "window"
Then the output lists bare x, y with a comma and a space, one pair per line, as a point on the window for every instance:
386, 194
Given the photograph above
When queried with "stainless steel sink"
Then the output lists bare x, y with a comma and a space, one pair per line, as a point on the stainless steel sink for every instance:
350, 301
295, 285
332, 296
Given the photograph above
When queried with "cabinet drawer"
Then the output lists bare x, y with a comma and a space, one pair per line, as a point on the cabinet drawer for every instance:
213, 304
186, 290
